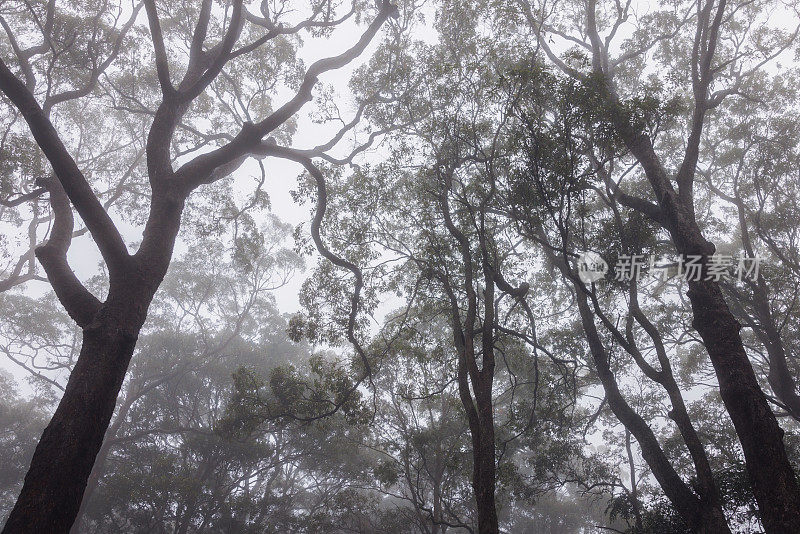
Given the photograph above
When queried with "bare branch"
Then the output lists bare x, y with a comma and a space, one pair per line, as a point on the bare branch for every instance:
21, 199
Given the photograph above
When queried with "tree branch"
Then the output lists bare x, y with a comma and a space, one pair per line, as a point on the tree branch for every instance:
80, 304
162, 63
102, 228
16, 201
200, 169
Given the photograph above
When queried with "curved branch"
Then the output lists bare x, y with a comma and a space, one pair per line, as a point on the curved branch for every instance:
16, 201
200, 169
80, 304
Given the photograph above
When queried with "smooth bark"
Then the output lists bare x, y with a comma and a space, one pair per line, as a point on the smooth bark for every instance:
56, 480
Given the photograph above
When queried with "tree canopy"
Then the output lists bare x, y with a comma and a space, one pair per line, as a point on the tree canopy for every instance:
543, 276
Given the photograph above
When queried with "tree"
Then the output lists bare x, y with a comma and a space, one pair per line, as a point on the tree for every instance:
63, 460
547, 197
452, 253
752, 168
718, 70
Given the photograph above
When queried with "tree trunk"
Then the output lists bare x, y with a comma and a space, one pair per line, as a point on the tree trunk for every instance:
483, 479
63, 460
774, 482
701, 515
780, 378
99, 467
768, 331
480, 416
481, 428
773, 479
634, 494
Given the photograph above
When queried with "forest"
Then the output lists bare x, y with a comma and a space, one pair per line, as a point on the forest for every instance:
400, 266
